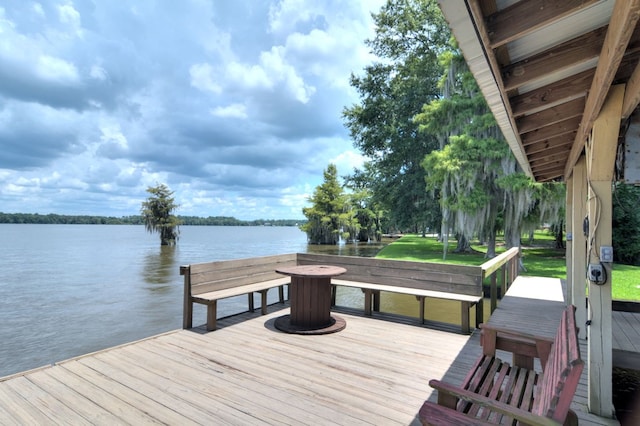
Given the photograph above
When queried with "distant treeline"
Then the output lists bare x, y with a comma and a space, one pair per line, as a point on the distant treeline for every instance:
137, 220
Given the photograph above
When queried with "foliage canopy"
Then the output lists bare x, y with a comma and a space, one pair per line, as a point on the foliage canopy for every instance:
157, 214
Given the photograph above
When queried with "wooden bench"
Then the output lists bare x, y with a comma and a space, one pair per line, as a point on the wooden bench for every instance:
495, 392
206, 283
420, 279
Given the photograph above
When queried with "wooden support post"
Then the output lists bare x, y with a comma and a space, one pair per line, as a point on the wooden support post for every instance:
250, 302
479, 313
569, 226
579, 246
187, 308
466, 306
601, 153
493, 290
368, 295
212, 309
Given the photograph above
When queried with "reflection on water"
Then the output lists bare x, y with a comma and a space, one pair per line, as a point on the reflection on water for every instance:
159, 267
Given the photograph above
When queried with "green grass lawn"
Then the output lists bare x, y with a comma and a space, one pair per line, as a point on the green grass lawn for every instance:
541, 259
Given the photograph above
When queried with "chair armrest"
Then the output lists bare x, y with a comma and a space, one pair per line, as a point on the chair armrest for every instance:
514, 333
491, 404
516, 342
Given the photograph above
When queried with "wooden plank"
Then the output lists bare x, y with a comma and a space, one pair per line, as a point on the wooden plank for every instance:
492, 265
52, 382
551, 116
525, 17
110, 403
110, 380
632, 94
17, 409
551, 131
553, 94
46, 403
409, 290
568, 54
222, 293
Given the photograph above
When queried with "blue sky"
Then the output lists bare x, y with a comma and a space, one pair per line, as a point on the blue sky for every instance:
235, 105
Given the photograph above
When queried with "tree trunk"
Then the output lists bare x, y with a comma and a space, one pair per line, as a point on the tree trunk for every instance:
491, 245
464, 245
559, 235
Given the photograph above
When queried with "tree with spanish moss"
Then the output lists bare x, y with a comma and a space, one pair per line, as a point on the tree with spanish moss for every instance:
157, 214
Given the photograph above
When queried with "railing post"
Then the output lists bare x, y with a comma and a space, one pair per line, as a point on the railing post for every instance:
494, 293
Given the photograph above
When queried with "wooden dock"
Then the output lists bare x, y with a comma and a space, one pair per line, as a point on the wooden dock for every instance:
625, 328
373, 372
376, 371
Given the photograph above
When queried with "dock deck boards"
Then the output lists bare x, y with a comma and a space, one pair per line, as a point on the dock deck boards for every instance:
376, 371
373, 372
626, 331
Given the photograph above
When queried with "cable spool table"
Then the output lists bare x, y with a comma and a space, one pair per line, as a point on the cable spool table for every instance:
310, 295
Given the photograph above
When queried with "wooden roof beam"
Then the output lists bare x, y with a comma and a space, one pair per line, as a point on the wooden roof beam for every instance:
556, 160
568, 54
525, 17
623, 22
551, 116
560, 141
632, 94
543, 133
553, 94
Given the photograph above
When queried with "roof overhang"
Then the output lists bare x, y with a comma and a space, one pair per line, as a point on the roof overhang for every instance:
545, 68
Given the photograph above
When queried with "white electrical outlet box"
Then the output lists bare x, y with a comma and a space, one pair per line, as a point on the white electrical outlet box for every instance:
595, 273
606, 254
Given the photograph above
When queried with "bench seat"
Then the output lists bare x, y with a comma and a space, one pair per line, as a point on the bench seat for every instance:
467, 301
249, 289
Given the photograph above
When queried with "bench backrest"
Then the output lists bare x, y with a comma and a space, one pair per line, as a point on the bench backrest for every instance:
562, 371
220, 275
458, 279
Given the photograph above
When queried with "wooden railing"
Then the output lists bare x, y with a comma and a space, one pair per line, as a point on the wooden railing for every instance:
506, 267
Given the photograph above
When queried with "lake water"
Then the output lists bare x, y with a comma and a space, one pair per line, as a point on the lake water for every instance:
67, 290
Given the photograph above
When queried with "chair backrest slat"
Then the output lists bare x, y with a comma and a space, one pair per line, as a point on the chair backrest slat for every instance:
562, 372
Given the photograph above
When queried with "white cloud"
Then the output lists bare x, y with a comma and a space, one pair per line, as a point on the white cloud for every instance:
231, 111
202, 77
235, 105
56, 69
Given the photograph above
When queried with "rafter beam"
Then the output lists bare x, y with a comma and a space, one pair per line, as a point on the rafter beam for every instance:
561, 141
562, 91
632, 94
543, 133
551, 116
525, 17
621, 27
581, 49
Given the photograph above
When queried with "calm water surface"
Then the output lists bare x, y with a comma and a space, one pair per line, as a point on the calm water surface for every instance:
66, 290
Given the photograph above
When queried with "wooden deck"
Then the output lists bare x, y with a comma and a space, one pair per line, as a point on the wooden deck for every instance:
626, 339
376, 371
373, 372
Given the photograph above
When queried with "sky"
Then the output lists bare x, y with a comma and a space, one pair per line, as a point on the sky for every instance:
235, 105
